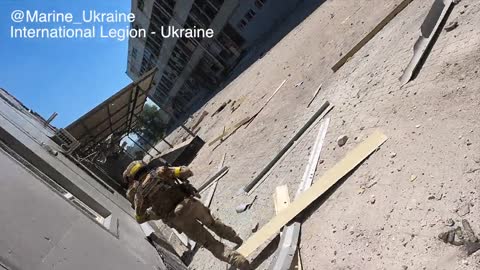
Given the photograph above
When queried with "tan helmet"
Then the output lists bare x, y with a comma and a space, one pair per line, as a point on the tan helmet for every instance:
130, 172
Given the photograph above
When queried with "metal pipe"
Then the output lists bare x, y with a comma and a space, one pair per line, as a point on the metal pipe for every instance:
299, 133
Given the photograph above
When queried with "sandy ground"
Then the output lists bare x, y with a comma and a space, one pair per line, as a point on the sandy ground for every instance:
426, 173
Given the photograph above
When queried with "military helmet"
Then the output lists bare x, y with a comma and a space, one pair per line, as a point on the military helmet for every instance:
132, 170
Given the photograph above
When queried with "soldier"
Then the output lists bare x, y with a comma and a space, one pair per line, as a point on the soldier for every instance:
164, 193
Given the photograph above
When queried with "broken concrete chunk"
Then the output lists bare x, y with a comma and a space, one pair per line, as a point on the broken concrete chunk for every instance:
464, 210
450, 222
472, 247
342, 140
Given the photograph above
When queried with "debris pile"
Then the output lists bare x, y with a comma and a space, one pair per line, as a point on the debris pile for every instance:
461, 237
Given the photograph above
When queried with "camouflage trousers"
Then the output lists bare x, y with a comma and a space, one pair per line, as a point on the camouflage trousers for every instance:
190, 217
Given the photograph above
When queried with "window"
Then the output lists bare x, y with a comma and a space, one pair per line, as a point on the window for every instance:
250, 14
133, 69
134, 53
241, 24
260, 3
140, 4
87, 210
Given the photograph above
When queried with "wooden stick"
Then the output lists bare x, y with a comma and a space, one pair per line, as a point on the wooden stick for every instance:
264, 105
370, 35
315, 95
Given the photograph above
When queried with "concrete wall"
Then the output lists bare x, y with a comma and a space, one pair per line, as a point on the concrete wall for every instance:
40, 229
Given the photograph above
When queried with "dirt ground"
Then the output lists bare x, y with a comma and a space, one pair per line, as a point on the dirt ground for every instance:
426, 173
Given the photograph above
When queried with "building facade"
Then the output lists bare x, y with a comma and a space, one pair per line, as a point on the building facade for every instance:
190, 69
59, 215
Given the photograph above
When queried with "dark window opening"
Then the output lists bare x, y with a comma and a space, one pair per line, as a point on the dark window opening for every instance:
250, 14
140, 4
260, 3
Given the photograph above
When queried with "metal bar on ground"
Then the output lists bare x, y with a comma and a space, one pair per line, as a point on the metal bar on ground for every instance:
371, 34
430, 30
311, 167
267, 168
209, 197
287, 247
322, 185
214, 177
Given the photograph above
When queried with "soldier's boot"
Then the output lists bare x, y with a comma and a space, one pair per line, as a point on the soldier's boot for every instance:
237, 240
226, 254
224, 231
239, 261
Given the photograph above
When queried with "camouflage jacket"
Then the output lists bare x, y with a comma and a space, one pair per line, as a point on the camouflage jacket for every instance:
157, 194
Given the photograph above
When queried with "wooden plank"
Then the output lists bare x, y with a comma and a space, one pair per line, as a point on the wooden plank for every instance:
342, 168
264, 105
371, 34
230, 130
281, 199
315, 95
287, 248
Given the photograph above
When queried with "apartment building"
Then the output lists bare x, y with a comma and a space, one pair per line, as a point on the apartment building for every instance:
190, 69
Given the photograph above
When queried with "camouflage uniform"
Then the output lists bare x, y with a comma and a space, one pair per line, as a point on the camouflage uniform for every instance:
160, 195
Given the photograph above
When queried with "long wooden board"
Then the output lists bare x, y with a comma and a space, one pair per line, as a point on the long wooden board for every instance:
281, 198
371, 34
342, 168
230, 130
